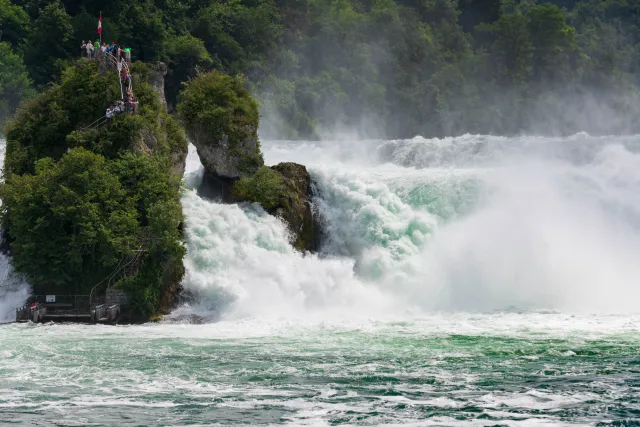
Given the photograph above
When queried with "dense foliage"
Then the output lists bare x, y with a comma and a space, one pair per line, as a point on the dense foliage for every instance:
394, 67
219, 112
217, 105
15, 85
80, 200
266, 187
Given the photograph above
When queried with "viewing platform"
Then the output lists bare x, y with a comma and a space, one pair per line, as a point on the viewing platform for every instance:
72, 308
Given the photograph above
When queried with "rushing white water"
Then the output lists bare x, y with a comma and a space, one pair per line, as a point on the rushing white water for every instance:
14, 289
382, 327
474, 223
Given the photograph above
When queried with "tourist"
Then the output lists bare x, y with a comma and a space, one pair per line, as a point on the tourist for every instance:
103, 49
96, 48
83, 47
89, 47
108, 114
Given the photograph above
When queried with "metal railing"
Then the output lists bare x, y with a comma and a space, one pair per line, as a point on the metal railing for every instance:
108, 281
113, 313
35, 313
96, 124
98, 312
119, 65
67, 304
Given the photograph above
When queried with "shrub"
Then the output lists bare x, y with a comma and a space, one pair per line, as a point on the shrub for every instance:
266, 187
214, 105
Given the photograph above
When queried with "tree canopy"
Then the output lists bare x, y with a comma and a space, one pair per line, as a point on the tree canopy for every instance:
392, 68
78, 200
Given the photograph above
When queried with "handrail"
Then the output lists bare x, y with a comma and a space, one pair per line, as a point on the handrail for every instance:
113, 61
113, 312
119, 268
96, 123
34, 313
98, 312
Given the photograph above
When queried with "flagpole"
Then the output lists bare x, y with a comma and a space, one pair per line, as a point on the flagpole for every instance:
100, 28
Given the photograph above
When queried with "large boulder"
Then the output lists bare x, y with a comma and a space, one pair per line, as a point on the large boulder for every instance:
221, 119
156, 80
285, 191
226, 159
295, 207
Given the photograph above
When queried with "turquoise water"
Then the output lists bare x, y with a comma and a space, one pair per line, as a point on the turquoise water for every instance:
478, 280
462, 369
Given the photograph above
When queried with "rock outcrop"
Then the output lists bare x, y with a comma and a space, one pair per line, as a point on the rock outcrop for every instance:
146, 141
118, 187
295, 207
156, 80
221, 120
227, 160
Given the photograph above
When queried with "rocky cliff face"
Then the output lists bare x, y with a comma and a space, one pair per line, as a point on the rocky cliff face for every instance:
156, 80
221, 119
146, 142
225, 160
296, 209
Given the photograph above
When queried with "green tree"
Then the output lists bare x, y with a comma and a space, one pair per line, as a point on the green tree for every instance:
70, 223
15, 85
142, 29
41, 127
14, 23
186, 55
554, 43
512, 48
49, 44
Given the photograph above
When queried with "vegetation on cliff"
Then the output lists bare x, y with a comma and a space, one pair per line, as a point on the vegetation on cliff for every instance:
15, 85
78, 201
221, 118
394, 67
283, 190
266, 187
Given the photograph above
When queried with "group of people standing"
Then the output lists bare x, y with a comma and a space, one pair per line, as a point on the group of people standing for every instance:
121, 107
96, 50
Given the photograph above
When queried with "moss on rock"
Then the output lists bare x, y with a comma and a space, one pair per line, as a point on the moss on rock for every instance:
284, 190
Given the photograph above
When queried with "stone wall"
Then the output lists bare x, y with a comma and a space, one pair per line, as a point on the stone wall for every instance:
115, 296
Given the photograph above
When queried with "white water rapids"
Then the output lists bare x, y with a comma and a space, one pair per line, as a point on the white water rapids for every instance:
472, 281
475, 223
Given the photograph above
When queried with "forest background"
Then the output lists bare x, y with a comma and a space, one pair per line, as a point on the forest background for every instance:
376, 68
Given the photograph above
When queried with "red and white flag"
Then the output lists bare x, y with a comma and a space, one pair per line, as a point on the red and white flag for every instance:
100, 24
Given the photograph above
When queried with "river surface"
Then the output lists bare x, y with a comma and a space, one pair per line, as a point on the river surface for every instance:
466, 281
